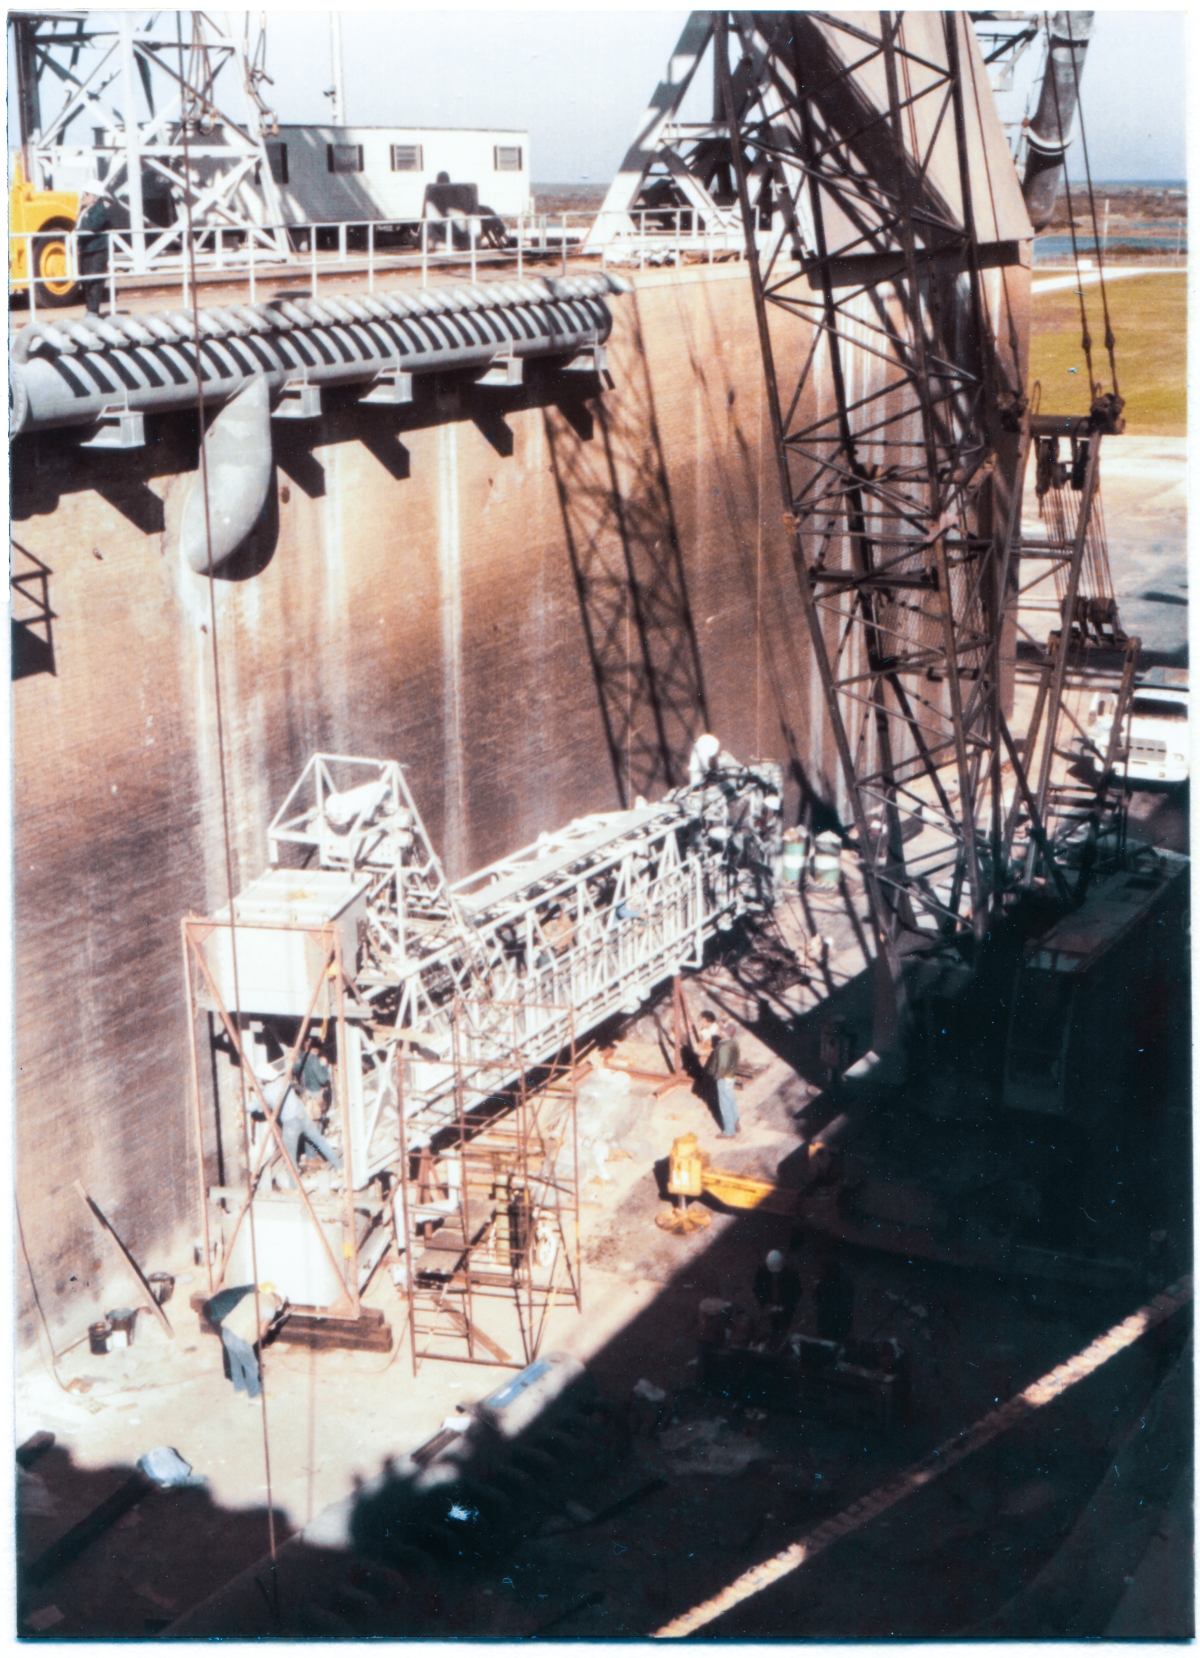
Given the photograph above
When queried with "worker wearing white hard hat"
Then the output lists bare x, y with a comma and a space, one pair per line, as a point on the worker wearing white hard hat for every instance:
702, 759
777, 1290
92, 230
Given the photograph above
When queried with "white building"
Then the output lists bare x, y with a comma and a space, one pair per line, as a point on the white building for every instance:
328, 174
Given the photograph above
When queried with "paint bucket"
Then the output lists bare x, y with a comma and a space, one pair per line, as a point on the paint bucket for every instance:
161, 1285
121, 1321
827, 859
99, 1336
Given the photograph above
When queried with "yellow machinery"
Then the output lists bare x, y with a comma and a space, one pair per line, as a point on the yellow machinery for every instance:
48, 216
691, 1175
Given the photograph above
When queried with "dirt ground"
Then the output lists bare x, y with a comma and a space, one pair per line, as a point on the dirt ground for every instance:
714, 1486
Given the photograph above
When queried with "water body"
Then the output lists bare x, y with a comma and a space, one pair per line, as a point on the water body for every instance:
1059, 247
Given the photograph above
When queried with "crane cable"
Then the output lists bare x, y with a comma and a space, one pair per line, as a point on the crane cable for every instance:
1086, 338
189, 258
1109, 338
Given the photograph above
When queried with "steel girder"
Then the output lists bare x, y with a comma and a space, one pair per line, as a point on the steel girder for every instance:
890, 422
176, 99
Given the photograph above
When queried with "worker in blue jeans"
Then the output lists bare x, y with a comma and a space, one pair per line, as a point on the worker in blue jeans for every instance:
722, 1067
295, 1124
232, 1312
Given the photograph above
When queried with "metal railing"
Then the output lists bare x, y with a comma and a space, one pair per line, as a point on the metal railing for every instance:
216, 254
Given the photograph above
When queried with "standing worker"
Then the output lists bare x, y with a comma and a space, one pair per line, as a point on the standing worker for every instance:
232, 1312
722, 1067
777, 1290
92, 227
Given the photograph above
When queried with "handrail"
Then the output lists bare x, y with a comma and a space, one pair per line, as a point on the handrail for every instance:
220, 253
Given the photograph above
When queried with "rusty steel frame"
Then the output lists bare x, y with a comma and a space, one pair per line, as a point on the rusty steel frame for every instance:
503, 1147
901, 581
195, 931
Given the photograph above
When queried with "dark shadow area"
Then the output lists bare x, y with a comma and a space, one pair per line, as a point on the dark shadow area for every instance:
32, 631
160, 1551
655, 1479
614, 1512
622, 538
50, 465
30, 653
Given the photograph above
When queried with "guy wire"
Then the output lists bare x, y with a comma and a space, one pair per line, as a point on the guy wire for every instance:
187, 95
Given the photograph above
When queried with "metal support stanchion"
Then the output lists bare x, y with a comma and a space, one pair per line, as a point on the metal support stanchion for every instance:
312, 249
250, 244
471, 232
424, 253
31, 272
112, 277
371, 256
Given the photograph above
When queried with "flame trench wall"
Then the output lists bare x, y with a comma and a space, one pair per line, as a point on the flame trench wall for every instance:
534, 602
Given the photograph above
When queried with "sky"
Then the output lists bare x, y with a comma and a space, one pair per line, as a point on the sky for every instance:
578, 80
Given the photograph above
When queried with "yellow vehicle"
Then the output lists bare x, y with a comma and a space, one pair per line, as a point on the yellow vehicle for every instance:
47, 216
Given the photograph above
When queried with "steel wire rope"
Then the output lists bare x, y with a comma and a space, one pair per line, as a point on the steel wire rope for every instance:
1109, 338
1086, 338
189, 96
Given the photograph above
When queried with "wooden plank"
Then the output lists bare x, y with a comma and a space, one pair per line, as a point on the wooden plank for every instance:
141, 1277
486, 1342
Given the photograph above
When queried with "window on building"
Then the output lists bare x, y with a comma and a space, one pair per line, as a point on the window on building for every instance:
407, 158
345, 158
277, 161
508, 158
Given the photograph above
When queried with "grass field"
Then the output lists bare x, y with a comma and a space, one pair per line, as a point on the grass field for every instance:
1149, 322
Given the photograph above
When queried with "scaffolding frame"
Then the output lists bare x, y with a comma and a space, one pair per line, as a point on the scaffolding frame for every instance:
512, 1229
205, 994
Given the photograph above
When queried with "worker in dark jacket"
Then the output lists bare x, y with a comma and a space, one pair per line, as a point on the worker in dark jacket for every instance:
777, 1291
95, 220
312, 1074
722, 1067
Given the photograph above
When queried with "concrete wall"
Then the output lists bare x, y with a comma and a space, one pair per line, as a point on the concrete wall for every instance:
426, 598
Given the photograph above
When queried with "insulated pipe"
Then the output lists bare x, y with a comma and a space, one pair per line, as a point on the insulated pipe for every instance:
238, 460
1049, 132
70, 374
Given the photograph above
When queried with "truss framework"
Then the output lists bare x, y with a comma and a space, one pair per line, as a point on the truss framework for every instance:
899, 516
174, 107
452, 1011
1072, 778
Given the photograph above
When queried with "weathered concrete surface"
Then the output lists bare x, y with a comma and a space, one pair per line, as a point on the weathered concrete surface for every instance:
535, 600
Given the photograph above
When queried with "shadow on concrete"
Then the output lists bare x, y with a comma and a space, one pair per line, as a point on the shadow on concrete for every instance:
161, 1552
616, 1513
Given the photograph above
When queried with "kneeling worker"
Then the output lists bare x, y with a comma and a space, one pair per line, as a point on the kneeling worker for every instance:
231, 1311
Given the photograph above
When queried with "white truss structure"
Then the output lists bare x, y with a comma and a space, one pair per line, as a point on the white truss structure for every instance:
169, 104
567, 932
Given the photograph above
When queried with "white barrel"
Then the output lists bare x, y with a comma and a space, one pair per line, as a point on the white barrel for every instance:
827, 859
795, 856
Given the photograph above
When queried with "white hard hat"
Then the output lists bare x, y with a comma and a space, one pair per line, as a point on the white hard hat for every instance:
774, 1261
708, 746
92, 186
